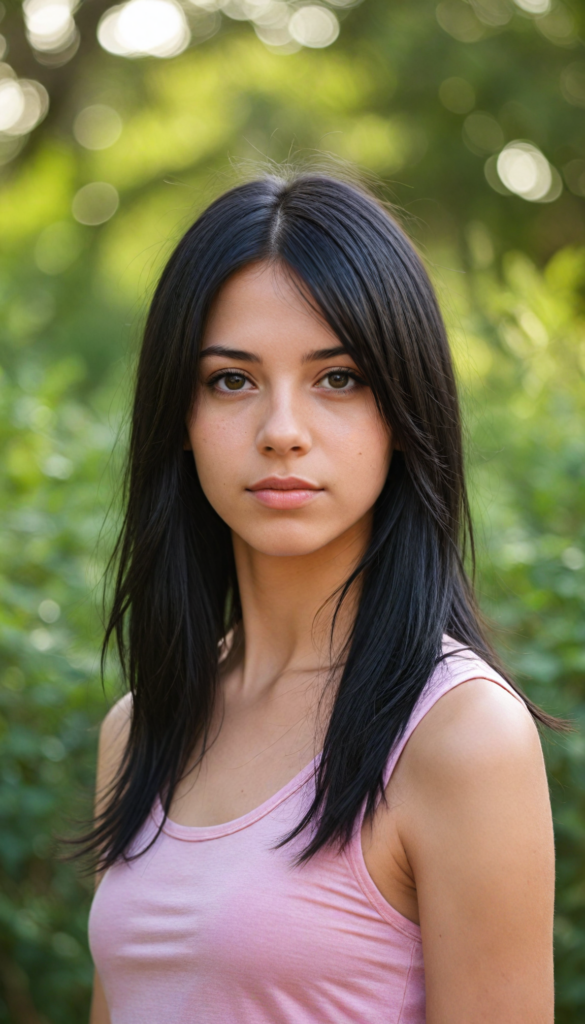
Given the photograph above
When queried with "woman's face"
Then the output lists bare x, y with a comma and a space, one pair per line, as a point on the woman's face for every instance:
289, 446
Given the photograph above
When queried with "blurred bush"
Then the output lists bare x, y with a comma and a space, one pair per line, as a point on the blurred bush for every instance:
526, 331
423, 95
55, 449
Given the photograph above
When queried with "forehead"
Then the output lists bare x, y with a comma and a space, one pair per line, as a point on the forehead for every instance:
263, 307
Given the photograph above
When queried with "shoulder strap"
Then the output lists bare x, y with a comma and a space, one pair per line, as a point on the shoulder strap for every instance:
460, 666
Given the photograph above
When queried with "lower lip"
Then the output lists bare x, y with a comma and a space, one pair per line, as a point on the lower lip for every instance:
284, 499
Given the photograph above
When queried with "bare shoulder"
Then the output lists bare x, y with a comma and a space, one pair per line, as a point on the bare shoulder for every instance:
474, 822
476, 727
474, 802
116, 724
114, 732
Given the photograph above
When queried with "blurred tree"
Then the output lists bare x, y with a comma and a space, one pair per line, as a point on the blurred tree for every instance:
424, 96
421, 93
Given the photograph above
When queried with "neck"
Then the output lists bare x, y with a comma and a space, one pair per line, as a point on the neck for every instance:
288, 607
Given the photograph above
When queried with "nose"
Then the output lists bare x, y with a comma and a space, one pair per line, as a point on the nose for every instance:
283, 429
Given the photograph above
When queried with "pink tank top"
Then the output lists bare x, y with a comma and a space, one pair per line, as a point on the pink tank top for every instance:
214, 926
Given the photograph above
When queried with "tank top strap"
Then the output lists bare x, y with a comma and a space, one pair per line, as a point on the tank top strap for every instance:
459, 665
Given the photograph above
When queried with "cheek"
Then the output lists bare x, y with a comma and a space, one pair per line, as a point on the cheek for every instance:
366, 471
217, 442
361, 455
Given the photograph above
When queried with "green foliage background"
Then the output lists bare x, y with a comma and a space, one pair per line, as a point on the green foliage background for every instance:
511, 275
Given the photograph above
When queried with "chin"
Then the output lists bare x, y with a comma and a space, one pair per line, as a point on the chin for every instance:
287, 542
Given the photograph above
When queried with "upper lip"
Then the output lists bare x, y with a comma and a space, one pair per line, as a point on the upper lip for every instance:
284, 483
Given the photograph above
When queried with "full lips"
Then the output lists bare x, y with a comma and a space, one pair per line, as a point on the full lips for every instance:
285, 499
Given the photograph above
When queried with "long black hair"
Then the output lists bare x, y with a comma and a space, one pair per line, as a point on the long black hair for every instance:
175, 594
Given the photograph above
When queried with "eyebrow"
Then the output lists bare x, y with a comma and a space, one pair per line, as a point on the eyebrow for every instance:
325, 353
248, 357
230, 353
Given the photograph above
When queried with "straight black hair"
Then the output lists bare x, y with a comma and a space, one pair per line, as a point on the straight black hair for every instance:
175, 594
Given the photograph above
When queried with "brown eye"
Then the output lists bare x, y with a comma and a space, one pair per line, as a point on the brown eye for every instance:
234, 381
338, 379
230, 380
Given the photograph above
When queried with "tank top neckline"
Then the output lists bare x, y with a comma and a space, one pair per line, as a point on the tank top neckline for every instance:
198, 833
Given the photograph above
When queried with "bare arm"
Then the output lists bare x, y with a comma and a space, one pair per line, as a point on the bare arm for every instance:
99, 1013
113, 738
477, 833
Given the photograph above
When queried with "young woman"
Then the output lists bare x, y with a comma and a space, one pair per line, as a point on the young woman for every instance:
321, 801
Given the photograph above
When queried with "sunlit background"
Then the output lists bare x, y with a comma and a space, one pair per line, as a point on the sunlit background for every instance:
117, 125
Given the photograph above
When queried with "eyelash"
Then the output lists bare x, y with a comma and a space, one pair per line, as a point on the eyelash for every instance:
221, 374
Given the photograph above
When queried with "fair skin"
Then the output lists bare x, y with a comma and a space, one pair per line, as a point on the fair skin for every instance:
463, 845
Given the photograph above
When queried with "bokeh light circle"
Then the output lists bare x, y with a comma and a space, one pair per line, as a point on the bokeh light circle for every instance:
140, 28
525, 171
12, 103
49, 24
95, 203
271, 20
36, 105
23, 104
97, 126
534, 6
314, 26
274, 14
208, 5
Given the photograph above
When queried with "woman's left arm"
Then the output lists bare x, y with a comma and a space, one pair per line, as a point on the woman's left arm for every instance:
478, 836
